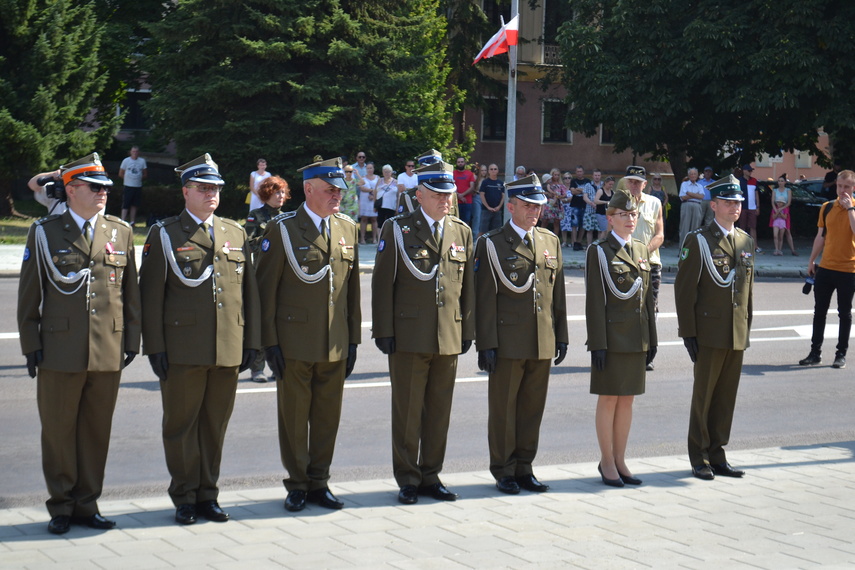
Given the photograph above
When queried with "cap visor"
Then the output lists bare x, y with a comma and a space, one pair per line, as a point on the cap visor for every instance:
532, 198
208, 179
441, 187
96, 179
634, 177
337, 182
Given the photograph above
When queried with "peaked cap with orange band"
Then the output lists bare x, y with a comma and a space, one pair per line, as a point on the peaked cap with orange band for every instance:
88, 169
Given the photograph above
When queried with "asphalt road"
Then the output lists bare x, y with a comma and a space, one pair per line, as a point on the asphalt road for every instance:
779, 403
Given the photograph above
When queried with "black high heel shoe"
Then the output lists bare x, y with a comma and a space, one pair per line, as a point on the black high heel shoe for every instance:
610, 482
629, 479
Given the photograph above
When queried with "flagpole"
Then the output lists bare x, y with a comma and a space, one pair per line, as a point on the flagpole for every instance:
511, 121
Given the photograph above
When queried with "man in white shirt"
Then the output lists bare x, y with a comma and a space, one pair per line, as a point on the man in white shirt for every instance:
132, 171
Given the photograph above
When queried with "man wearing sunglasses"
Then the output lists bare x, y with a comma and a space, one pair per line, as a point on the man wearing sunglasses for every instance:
79, 322
201, 328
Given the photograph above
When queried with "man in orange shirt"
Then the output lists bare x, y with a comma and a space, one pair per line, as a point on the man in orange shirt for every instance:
835, 240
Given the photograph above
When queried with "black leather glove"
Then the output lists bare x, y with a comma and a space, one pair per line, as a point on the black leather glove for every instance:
651, 354
275, 360
467, 344
487, 360
351, 360
129, 357
159, 364
598, 359
691, 344
560, 352
249, 355
386, 344
33, 360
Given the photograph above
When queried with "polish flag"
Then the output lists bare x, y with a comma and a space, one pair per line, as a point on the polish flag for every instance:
507, 35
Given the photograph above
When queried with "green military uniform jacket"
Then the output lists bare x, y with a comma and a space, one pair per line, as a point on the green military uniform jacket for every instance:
209, 324
614, 323
713, 288
425, 314
520, 324
92, 328
256, 223
314, 322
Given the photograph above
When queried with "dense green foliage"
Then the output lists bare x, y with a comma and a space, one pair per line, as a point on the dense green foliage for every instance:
244, 79
50, 80
704, 81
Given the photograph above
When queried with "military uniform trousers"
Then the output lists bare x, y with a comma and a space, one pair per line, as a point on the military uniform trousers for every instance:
76, 411
717, 372
422, 390
309, 408
197, 405
516, 396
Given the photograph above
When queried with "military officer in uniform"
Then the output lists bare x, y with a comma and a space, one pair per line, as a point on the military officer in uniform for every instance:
79, 322
422, 294
713, 290
407, 201
621, 323
309, 266
201, 327
520, 324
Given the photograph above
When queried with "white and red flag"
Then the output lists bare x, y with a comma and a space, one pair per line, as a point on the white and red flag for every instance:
507, 36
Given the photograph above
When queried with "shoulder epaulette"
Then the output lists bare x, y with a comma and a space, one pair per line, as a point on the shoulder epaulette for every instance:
50, 218
544, 231
599, 241
741, 231
232, 222
284, 216
116, 219
494, 232
166, 221
344, 217
402, 215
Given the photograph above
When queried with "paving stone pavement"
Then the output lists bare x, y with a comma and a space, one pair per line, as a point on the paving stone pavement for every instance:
794, 509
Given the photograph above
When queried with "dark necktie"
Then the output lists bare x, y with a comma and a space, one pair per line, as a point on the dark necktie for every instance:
530, 239
207, 229
437, 236
325, 234
86, 238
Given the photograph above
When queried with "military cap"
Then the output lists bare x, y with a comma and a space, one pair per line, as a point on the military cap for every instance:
621, 200
438, 177
636, 173
430, 157
527, 189
89, 169
327, 170
201, 169
727, 188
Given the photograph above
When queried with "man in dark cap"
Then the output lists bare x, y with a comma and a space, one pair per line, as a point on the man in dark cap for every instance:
422, 295
713, 290
79, 322
518, 271
201, 328
309, 267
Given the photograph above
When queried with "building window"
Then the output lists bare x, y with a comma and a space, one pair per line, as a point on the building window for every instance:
493, 9
554, 117
803, 159
606, 135
494, 126
555, 13
134, 118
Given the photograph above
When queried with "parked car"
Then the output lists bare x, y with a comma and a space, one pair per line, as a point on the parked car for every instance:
814, 186
804, 211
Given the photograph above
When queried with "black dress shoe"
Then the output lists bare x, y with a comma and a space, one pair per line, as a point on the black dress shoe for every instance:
95, 521
185, 514
211, 510
628, 479
438, 492
295, 501
324, 498
530, 483
725, 470
508, 485
610, 482
704, 472
408, 495
59, 524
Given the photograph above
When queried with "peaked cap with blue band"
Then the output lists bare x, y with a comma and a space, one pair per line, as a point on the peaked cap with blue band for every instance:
527, 189
430, 157
201, 169
438, 177
327, 170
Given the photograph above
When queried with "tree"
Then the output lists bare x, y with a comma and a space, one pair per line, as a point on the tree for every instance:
50, 79
708, 81
288, 80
